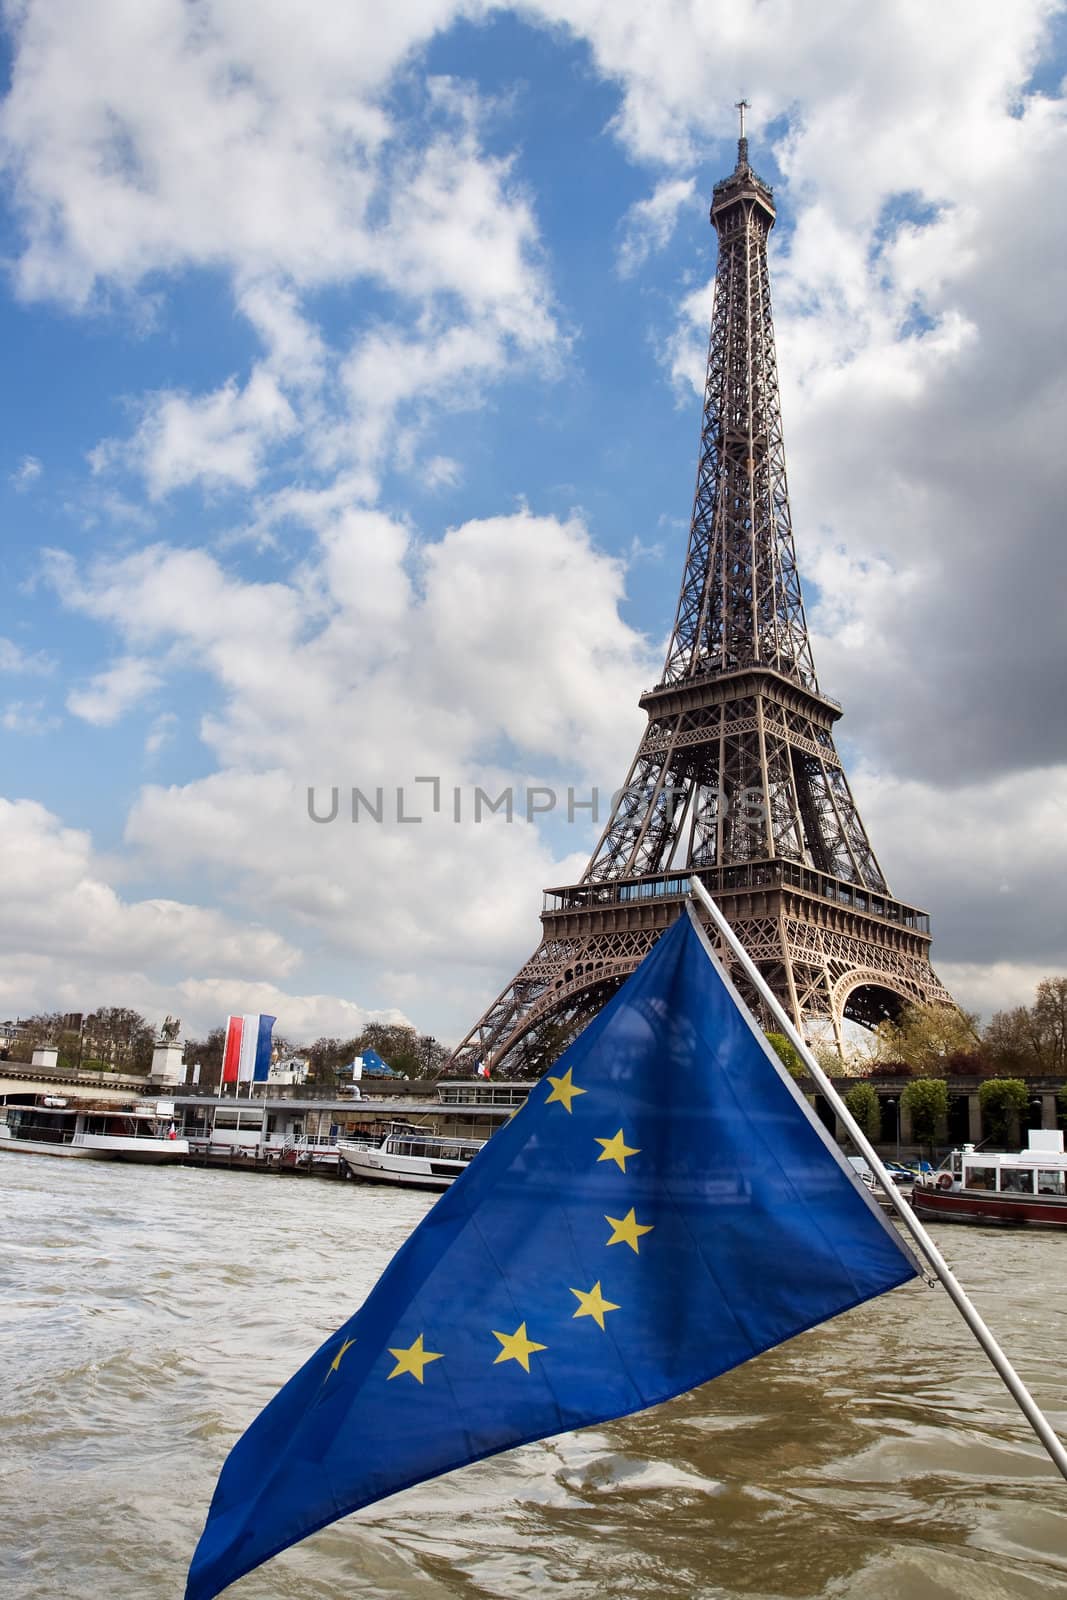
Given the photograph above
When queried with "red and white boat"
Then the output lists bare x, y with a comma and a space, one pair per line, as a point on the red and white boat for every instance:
1027, 1189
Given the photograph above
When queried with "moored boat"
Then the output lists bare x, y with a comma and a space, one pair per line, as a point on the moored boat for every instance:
1027, 1188
50, 1125
414, 1157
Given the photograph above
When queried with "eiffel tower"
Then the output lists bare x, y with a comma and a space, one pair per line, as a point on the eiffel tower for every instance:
736, 778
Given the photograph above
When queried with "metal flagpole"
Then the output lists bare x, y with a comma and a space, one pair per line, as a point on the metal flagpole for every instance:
968, 1311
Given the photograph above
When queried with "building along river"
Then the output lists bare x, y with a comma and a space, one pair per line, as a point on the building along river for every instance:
147, 1316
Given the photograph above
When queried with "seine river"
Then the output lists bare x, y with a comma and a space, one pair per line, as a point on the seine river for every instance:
147, 1315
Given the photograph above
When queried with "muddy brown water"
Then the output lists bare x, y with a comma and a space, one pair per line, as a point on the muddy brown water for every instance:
146, 1316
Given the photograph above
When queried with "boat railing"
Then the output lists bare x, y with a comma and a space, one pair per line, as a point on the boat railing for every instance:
429, 1136
433, 1144
42, 1135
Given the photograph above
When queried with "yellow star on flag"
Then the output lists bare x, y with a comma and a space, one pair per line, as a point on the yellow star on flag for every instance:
517, 1347
563, 1090
617, 1150
627, 1230
336, 1362
413, 1360
593, 1304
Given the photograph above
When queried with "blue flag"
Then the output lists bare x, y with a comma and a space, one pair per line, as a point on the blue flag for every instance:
664, 1207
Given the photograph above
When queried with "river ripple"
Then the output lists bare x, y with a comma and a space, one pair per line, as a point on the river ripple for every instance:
146, 1316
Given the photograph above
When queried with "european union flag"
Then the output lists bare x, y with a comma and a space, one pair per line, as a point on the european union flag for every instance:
664, 1207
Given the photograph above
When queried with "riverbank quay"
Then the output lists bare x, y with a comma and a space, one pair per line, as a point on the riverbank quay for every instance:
294, 1128
19, 1077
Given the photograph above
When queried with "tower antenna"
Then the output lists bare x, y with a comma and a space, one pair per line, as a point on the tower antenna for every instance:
742, 142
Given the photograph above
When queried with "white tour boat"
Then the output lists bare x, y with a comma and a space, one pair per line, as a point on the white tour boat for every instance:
416, 1157
1027, 1188
53, 1126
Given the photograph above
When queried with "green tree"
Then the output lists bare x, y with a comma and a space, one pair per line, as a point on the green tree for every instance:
324, 1057
925, 1035
44, 1028
862, 1100
926, 1099
396, 1043
69, 1041
432, 1055
399, 1046
120, 1037
1003, 1100
840, 1063
208, 1051
789, 1055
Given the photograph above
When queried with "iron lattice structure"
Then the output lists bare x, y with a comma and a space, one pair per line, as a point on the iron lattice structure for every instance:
736, 778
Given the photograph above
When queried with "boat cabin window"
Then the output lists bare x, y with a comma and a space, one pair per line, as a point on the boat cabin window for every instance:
981, 1177
1016, 1180
231, 1117
1049, 1181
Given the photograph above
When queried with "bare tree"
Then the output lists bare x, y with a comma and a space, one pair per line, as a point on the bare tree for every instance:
1033, 1038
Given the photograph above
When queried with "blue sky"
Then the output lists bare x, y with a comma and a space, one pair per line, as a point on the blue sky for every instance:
350, 411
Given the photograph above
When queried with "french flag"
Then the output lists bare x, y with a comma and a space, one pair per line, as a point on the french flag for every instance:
246, 1054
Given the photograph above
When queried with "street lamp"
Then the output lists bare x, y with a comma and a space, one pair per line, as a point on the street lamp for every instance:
890, 1101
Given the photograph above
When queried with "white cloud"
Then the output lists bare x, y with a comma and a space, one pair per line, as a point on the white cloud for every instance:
113, 692
76, 944
902, 92
493, 656
27, 716
67, 909
212, 439
392, 375
160, 733
16, 660
252, 140
648, 224
264, 147
995, 985
302, 1018
297, 353
26, 474
442, 472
